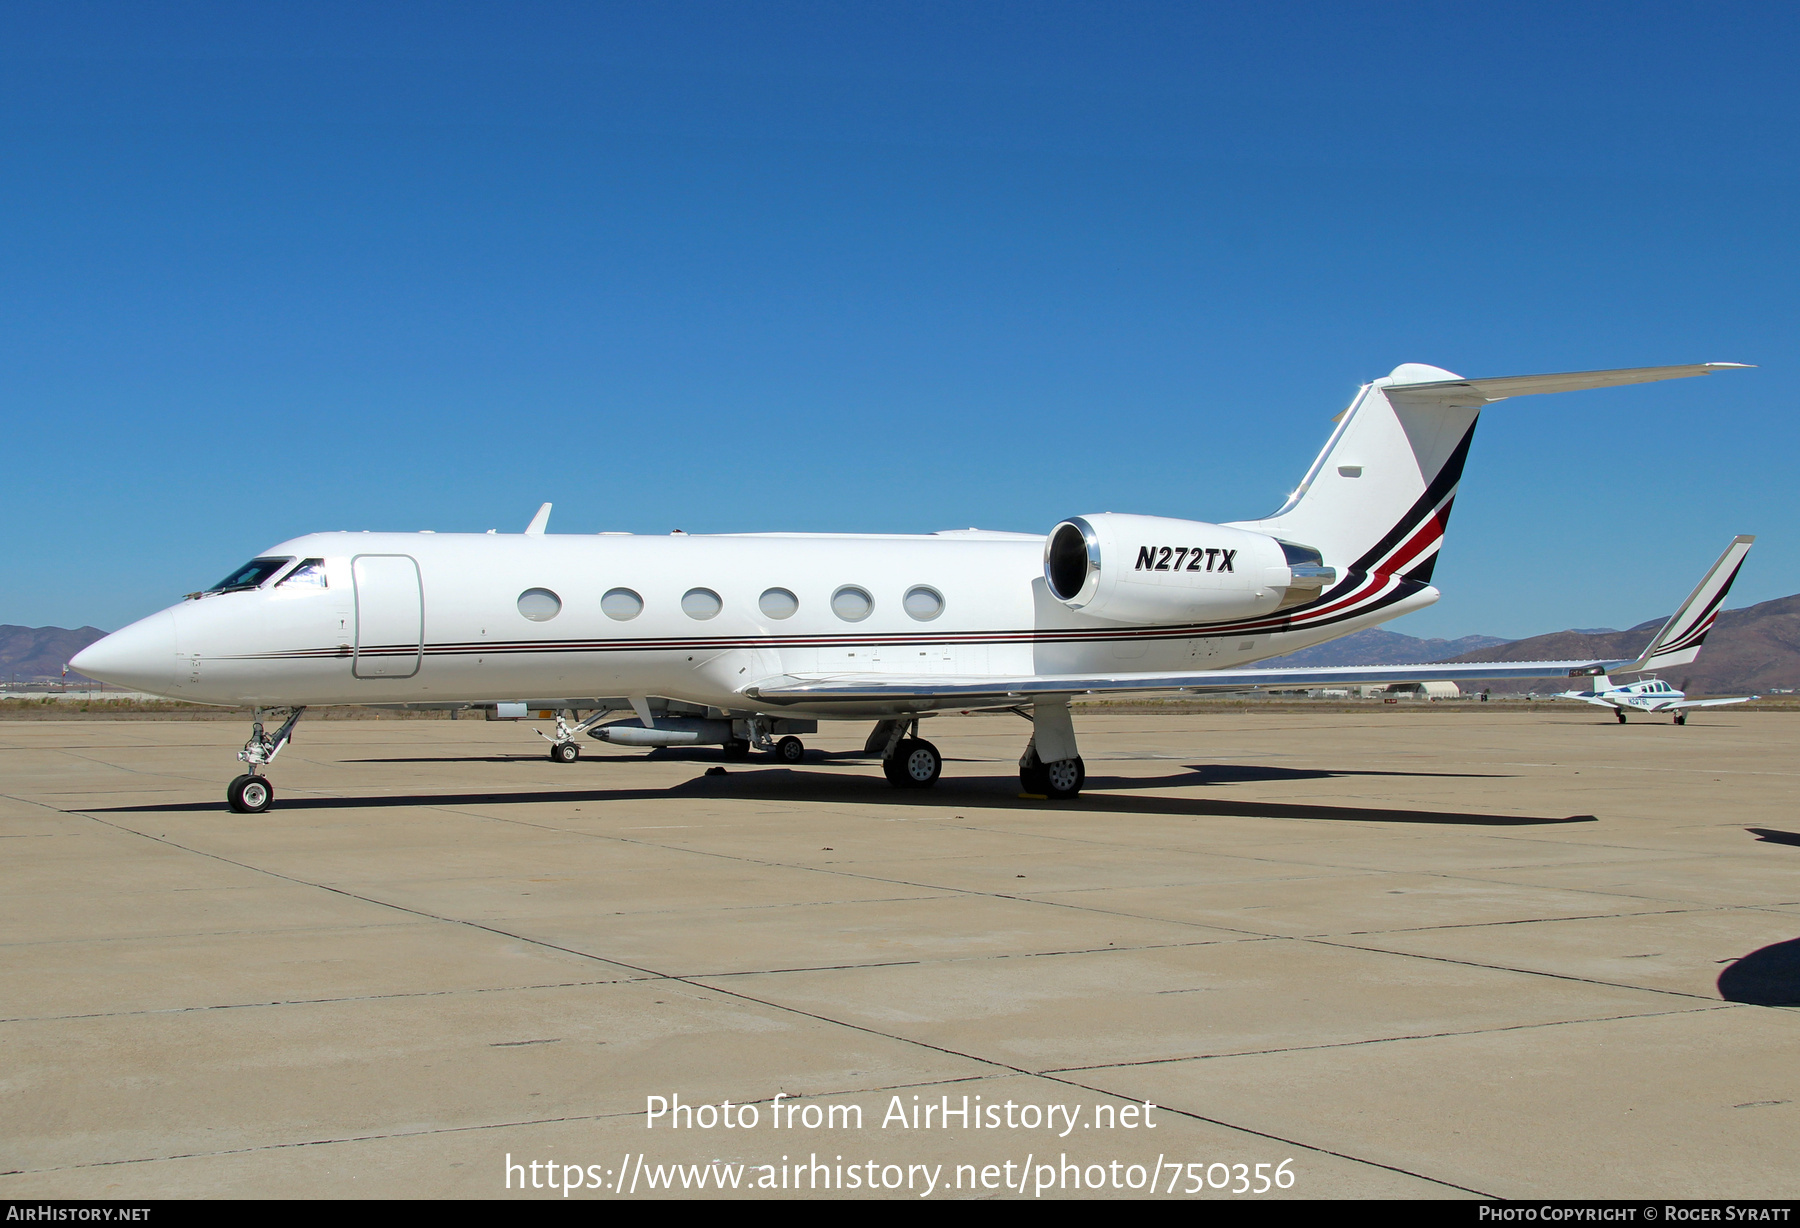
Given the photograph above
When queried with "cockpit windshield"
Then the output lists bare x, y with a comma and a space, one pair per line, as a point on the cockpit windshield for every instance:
250, 575
310, 574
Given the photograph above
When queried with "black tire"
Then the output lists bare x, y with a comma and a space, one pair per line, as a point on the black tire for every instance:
249, 794
737, 748
1057, 781
564, 752
1620, 713
915, 764
1681, 718
790, 750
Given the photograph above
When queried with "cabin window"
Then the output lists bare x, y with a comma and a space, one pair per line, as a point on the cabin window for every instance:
778, 603
621, 604
701, 603
540, 605
923, 603
250, 575
852, 604
310, 574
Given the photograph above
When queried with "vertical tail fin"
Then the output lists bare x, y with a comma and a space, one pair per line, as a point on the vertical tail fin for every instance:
1680, 638
1378, 497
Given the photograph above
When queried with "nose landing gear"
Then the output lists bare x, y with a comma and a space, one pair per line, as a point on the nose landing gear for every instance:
563, 747
252, 793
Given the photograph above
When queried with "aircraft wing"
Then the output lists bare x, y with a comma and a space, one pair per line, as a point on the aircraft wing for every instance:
1712, 703
920, 693
1588, 699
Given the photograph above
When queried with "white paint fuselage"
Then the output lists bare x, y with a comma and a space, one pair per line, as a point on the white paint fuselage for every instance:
291, 644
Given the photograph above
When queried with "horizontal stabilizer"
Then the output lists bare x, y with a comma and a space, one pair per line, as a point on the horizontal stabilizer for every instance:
1474, 393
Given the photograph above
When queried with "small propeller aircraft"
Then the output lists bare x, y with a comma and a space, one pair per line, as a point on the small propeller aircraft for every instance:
749, 640
1646, 695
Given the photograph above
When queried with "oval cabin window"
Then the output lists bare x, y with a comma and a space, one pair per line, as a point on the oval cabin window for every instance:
778, 603
852, 604
701, 603
540, 605
923, 603
621, 604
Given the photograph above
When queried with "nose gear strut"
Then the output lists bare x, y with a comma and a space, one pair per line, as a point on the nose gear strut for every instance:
251, 793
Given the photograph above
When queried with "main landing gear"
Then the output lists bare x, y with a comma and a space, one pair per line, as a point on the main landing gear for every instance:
909, 761
252, 793
1620, 713
1050, 766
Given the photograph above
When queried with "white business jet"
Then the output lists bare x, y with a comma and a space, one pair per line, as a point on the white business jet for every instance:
748, 640
1676, 644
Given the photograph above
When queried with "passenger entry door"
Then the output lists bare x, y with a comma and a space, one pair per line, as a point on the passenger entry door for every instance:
390, 616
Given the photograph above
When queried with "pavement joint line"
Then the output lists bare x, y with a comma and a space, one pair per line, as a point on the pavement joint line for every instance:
371, 997
1625, 767
991, 956
1401, 1038
784, 1008
1556, 976
126, 939
1622, 895
1602, 916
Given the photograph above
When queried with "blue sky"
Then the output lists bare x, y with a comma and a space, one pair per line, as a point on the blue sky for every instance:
267, 269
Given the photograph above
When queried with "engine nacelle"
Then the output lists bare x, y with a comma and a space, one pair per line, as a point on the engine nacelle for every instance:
1151, 569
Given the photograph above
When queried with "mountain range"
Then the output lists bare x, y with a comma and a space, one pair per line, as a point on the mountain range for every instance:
1754, 650
28, 653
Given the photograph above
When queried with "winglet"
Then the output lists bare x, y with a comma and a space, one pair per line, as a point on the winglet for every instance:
538, 522
1680, 639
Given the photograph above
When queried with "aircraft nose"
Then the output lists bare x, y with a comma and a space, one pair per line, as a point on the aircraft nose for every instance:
140, 657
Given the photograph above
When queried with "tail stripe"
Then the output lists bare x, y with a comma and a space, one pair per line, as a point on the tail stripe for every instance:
1441, 489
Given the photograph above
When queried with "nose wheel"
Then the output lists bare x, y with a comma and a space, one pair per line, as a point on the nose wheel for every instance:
249, 794
790, 750
564, 752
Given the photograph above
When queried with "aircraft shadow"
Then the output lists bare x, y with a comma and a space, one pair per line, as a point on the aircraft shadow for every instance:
800, 786
1208, 773
1245, 773
1769, 977
1768, 835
